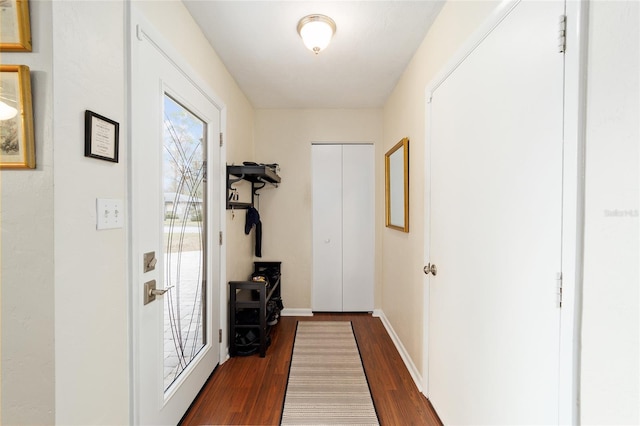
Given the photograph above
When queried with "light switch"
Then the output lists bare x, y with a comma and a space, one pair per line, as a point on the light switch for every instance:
109, 213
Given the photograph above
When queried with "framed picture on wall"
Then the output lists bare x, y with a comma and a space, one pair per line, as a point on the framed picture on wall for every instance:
17, 146
15, 27
100, 137
396, 167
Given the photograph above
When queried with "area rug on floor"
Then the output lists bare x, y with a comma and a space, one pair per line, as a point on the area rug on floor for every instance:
327, 383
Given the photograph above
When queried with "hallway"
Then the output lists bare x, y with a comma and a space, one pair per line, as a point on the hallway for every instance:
70, 291
250, 390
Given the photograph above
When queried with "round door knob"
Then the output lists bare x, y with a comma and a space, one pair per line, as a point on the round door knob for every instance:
430, 269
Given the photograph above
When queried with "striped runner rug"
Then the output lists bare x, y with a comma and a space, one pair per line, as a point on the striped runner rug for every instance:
327, 383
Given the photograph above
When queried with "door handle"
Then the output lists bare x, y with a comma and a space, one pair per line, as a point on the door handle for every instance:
159, 292
150, 291
430, 269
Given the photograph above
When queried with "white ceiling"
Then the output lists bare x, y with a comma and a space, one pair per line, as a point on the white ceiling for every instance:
259, 44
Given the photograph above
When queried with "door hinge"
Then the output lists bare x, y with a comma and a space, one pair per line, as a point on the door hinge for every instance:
219, 335
559, 288
220, 237
221, 139
562, 34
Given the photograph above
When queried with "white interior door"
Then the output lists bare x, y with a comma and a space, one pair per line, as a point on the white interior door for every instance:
358, 241
175, 199
343, 227
494, 231
326, 170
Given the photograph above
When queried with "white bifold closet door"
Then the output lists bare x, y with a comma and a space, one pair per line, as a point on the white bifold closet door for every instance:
343, 227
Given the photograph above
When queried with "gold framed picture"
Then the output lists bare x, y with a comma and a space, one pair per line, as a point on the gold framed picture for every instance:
15, 26
17, 145
396, 167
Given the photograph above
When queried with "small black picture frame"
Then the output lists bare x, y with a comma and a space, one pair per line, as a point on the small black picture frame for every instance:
101, 137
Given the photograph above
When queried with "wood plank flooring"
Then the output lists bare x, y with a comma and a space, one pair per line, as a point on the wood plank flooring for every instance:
250, 390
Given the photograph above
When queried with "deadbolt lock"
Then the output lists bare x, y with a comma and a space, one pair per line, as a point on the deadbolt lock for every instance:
149, 261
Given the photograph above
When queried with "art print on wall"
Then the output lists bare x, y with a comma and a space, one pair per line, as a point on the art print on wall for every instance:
15, 28
17, 146
101, 137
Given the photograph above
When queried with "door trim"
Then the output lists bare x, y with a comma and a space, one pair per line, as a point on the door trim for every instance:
140, 28
573, 207
572, 198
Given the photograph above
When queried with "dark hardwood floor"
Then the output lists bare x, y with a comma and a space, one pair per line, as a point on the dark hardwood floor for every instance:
250, 390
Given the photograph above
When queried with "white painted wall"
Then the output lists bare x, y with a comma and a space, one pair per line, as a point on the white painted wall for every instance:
26, 250
285, 137
91, 332
610, 376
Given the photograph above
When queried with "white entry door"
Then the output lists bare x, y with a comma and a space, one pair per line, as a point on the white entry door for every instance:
343, 227
175, 199
494, 226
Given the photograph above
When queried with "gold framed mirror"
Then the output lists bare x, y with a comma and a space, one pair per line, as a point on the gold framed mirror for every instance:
396, 169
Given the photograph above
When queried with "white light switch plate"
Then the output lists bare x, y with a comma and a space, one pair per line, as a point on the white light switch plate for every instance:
109, 213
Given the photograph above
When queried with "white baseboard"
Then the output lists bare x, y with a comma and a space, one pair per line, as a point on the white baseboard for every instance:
226, 357
413, 370
293, 312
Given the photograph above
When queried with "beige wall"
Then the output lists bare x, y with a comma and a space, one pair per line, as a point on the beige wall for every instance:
285, 137
404, 116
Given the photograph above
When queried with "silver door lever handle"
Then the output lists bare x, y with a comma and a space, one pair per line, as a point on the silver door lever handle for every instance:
159, 292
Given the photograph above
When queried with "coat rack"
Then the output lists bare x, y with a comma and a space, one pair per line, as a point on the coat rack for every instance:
258, 174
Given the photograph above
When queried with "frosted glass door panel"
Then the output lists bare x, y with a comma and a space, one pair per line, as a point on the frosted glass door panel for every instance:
184, 190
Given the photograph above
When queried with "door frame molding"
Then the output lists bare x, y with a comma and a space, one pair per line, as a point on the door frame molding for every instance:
140, 28
574, 111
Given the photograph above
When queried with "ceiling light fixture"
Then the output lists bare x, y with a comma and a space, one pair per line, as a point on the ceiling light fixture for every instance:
316, 31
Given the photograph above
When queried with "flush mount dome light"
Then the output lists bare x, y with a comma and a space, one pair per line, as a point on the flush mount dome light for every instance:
316, 31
